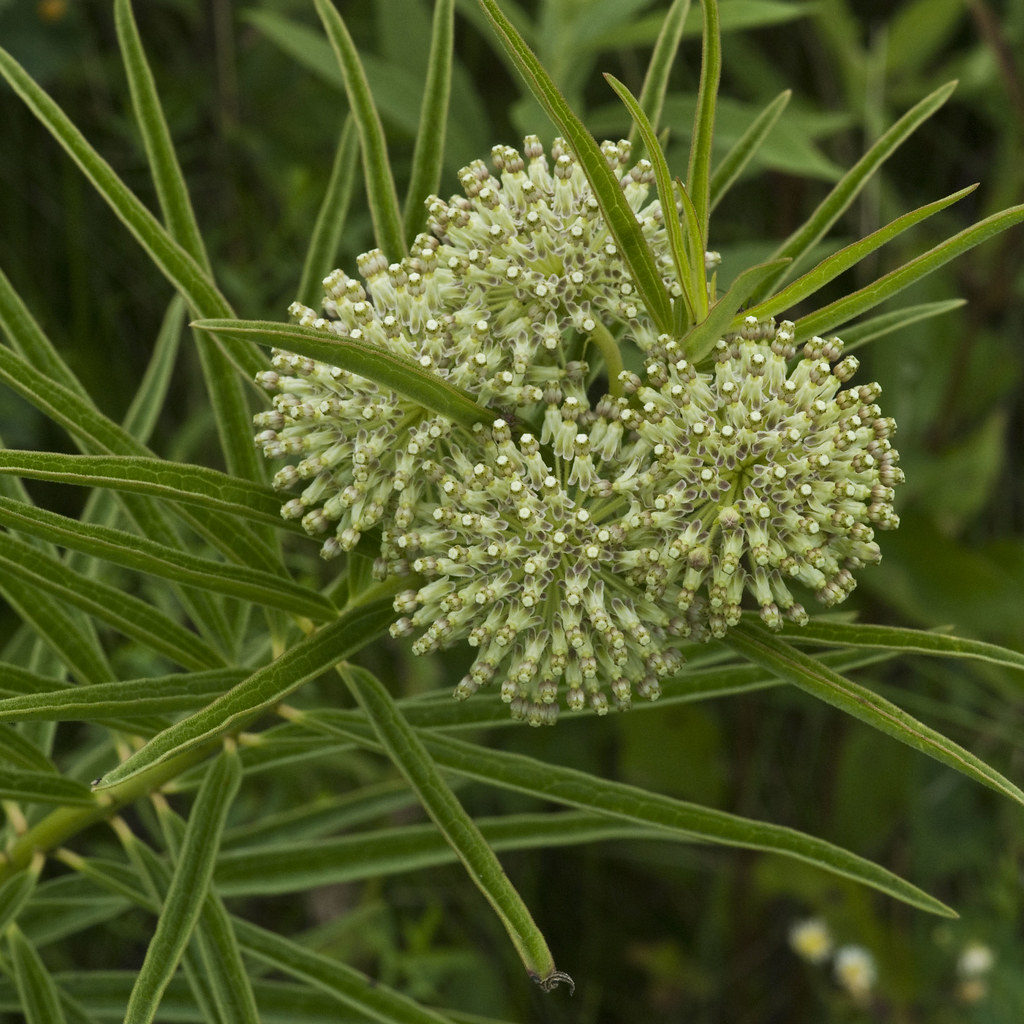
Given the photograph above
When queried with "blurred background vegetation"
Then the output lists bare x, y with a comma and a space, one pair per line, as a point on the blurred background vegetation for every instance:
255, 105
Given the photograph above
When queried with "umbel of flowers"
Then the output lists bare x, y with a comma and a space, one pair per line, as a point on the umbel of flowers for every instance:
598, 522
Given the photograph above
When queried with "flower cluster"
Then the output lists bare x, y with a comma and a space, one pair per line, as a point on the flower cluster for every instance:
629, 514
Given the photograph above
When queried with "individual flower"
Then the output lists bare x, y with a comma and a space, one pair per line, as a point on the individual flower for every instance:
526, 557
975, 960
811, 940
855, 971
763, 475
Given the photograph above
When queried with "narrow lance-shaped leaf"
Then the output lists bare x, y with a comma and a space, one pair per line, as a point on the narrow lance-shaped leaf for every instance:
666, 194
687, 821
170, 481
702, 339
125, 612
263, 689
15, 892
43, 788
223, 385
370, 361
621, 220
772, 652
162, 560
38, 994
745, 148
330, 221
911, 641
380, 184
652, 93
428, 154
879, 326
411, 758
849, 186
839, 262
842, 310
188, 889
699, 175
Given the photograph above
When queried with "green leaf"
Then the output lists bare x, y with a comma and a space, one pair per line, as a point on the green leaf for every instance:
459, 830
172, 259
772, 652
910, 641
263, 689
153, 695
428, 155
842, 310
268, 870
698, 177
330, 221
618, 215
849, 186
652, 93
43, 788
367, 360
21, 752
15, 892
687, 821
132, 616
885, 323
699, 343
148, 556
380, 185
745, 147
183, 482
171, 190
832, 266
188, 888
74, 646
683, 250
368, 998
148, 401
37, 992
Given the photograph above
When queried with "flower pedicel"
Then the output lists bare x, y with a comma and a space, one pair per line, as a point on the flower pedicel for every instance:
629, 515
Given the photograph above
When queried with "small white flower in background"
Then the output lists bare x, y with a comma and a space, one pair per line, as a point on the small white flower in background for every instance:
975, 959
811, 940
855, 970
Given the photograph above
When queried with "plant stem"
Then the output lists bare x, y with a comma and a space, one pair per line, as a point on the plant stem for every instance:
609, 350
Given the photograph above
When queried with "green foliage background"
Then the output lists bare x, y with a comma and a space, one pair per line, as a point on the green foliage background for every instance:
670, 931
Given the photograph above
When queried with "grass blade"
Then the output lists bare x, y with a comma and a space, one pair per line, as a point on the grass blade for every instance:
744, 149
652, 93
161, 560
460, 831
842, 310
330, 221
263, 689
849, 186
188, 888
698, 177
367, 360
618, 215
38, 994
380, 184
428, 154
772, 652
832, 266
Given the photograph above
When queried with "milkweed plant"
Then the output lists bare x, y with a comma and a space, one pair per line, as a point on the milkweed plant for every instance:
545, 437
